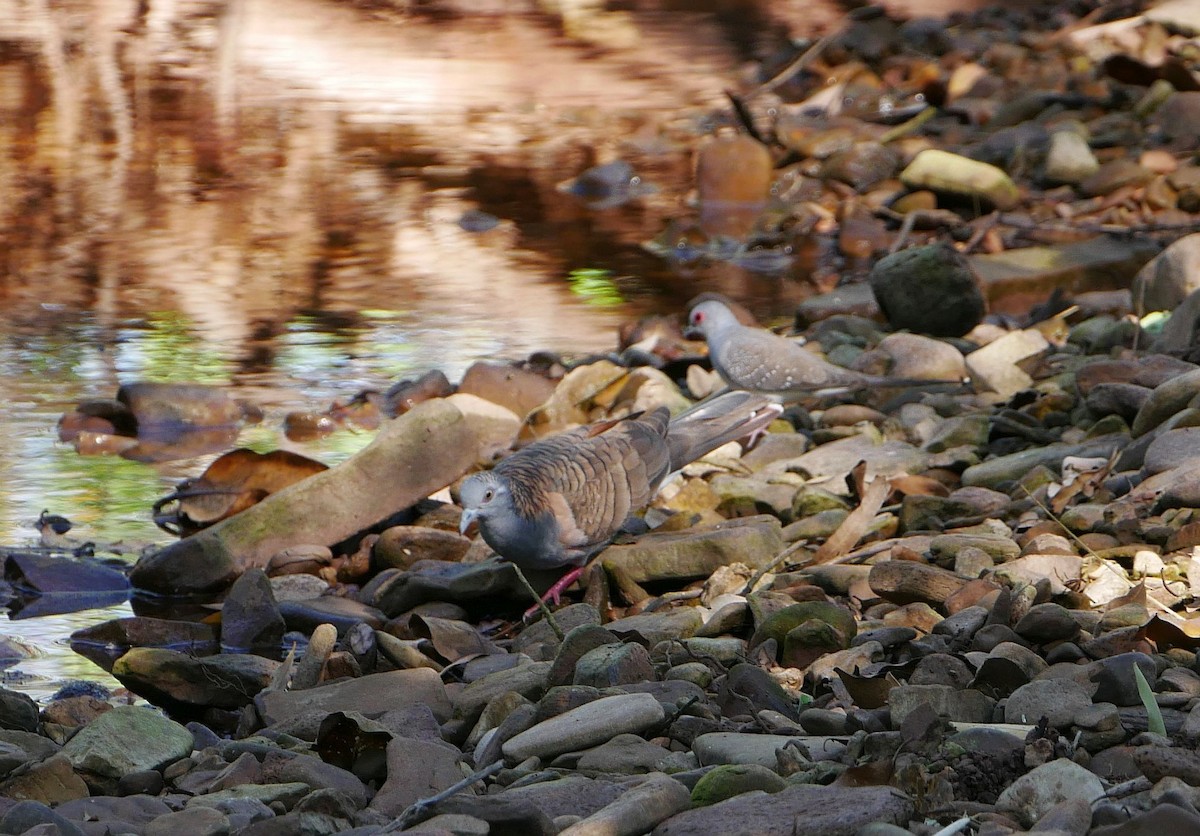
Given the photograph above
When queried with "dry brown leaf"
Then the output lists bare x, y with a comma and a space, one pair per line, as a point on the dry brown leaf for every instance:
1169, 630
856, 523
232, 483
872, 774
908, 485
868, 692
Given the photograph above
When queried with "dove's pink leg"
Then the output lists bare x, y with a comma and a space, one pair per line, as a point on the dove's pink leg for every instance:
554, 593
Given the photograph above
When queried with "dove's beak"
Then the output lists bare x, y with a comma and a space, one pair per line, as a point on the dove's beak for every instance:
469, 516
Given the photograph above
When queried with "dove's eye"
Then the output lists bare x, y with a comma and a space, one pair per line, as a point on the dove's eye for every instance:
488, 494
697, 318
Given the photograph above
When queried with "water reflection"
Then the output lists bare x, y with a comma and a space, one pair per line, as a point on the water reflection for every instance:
266, 194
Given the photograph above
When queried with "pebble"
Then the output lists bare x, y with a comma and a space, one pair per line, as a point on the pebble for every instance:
1036, 793
588, 725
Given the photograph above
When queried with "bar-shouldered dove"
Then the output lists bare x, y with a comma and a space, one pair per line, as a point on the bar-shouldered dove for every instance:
560, 500
756, 360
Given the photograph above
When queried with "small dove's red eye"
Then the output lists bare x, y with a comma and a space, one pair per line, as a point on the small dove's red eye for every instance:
697, 318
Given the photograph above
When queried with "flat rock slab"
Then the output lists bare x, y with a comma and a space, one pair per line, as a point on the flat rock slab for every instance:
807, 809
1095, 264
409, 458
574, 795
697, 553
127, 739
828, 464
368, 695
416, 769
181, 680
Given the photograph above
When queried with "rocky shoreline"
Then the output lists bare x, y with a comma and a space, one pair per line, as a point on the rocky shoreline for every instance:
905, 610
888, 616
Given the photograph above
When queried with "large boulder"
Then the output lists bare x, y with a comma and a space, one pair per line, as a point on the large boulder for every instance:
928, 290
418, 453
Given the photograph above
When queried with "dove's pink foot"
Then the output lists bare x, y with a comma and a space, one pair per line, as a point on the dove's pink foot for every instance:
554, 593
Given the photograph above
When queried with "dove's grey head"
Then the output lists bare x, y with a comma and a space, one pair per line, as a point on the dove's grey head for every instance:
485, 498
708, 318
528, 539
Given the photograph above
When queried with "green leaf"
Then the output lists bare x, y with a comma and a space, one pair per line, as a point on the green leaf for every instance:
1154, 716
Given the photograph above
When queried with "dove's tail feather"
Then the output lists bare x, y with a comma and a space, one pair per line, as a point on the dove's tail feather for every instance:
918, 383
716, 421
798, 393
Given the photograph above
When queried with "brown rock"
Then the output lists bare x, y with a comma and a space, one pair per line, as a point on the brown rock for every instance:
75, 711
403, 545
370, 694
513, 387
980, 591
907, 582
414, 455
51, 782
733, 177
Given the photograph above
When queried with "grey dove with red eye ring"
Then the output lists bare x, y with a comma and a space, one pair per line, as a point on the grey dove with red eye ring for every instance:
756, 360
560, 500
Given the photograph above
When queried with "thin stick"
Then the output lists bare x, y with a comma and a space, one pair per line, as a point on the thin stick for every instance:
954, 827
541, 604
422, 805
773, 565
807, 57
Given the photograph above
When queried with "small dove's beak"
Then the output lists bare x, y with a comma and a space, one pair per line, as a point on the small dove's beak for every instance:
692, 333
468, 518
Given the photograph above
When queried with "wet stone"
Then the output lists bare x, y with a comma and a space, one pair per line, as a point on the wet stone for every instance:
126, 739
249, 616
941, 171
415, 769
377, 693
823, 722
575, 644
625, 754
1070, 159
862, 166
401, 546
202, 821
51, 781
961, 626
17, 711
761, 749
941, 669
749, 688
26, 815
